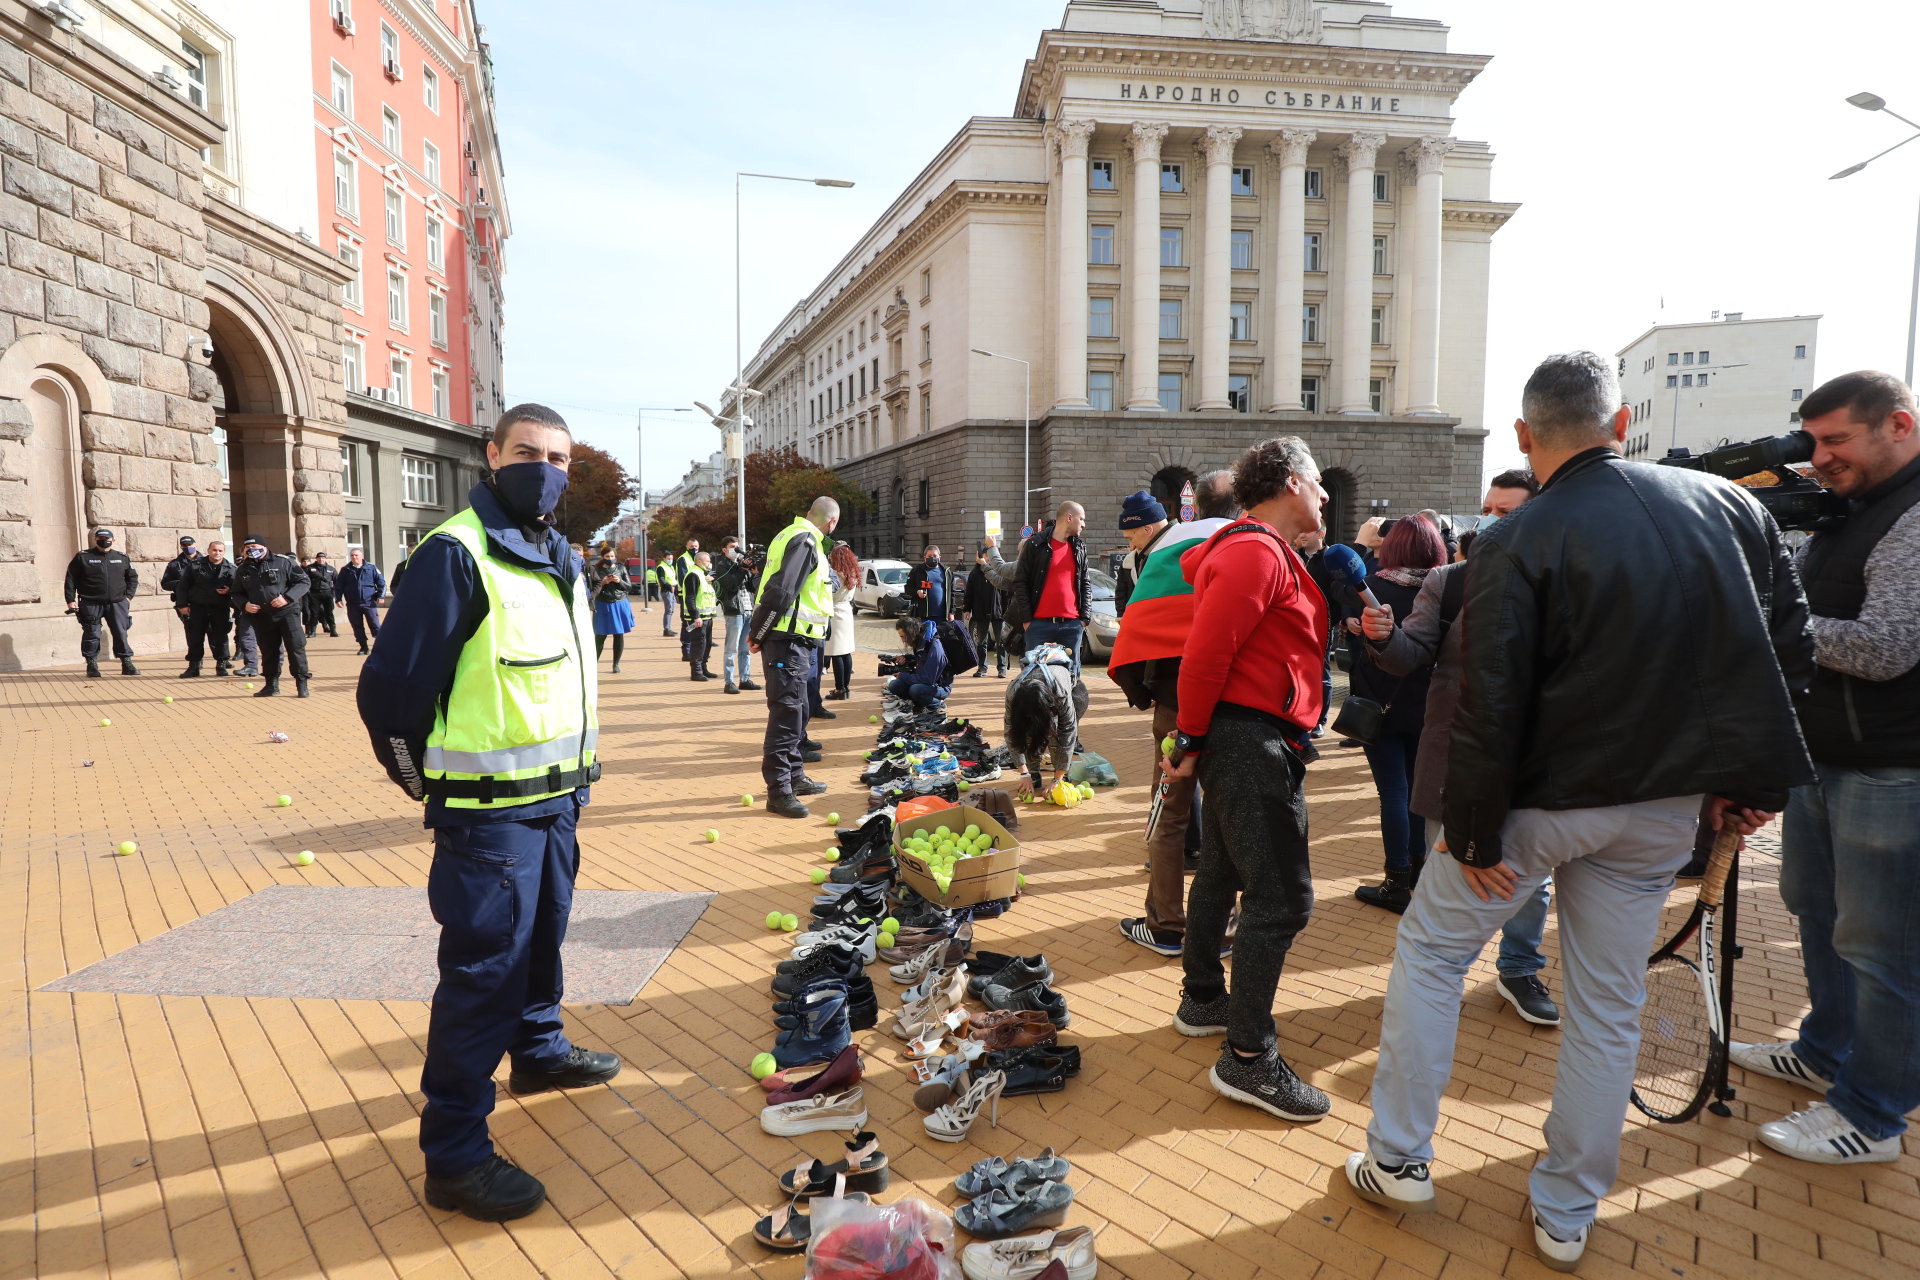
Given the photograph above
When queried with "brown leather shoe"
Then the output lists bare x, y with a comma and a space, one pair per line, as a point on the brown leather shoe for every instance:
998, 1017
1015, 1034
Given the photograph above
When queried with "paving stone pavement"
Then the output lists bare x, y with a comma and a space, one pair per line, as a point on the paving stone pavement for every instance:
145, 1135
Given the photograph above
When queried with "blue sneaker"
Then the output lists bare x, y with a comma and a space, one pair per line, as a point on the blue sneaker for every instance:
824, 1031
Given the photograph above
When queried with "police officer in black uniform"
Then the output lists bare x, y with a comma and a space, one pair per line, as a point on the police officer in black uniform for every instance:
177, 567
320, 596
100, 582
271, 588
204, 599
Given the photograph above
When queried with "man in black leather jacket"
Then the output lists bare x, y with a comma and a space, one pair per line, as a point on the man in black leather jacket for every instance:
1632, 638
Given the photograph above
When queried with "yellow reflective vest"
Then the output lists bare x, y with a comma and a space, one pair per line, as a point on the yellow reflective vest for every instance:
812, 611
520, 723
703, 603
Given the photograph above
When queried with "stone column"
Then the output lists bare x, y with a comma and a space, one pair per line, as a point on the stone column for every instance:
1143, 306
1216, 265
1286, 270
1354, 363
1428, 158
1070, 304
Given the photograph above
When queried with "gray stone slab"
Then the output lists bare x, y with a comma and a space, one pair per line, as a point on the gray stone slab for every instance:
324, 943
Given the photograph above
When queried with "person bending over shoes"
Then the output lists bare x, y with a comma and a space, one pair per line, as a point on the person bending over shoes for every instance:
1044, 705
1249, 694
1612, 684
928, 679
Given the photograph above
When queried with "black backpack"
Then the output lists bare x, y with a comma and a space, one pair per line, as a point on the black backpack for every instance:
953, 637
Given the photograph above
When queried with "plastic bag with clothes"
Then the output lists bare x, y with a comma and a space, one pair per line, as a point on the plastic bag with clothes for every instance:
906, 1240
1094, 769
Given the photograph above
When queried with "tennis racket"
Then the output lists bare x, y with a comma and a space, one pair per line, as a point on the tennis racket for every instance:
1683, 1028
1160, 792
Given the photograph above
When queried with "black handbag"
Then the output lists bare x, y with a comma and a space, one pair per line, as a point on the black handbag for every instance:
1360, 719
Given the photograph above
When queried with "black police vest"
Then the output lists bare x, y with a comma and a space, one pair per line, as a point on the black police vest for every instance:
1848, 720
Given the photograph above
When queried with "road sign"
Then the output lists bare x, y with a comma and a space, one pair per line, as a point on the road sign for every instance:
993, 524
1186, 502
1026, 531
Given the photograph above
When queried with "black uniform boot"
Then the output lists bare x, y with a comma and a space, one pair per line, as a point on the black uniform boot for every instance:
270, 688
93, 670
300, 683
1395, 895
222, 668
784, 804
127, 668
496, 1191
192, 672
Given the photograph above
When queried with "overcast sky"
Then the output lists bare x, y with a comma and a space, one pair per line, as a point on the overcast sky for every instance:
1675, 149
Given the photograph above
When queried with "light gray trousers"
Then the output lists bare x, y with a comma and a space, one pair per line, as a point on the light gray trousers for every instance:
1612, 869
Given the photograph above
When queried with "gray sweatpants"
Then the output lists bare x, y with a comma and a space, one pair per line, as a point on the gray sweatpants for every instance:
1612, 869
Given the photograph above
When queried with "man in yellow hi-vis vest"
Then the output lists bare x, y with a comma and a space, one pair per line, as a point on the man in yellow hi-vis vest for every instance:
480, 700
791, 616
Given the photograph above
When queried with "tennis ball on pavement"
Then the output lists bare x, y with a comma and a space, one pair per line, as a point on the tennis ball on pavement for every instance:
832, 855
285, 801
1020, 879
167, 700
747, 800
763, 1066
128, 848
104, 722
249, 684
873, 719
817, 875
965, 785
773, 919
833, 818
789, 922
304, 857
889, 925
712, 835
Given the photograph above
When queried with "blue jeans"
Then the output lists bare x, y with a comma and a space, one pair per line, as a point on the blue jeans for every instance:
501, 892
666, 614
735, 656
1850, 870
923, 694
1403, 831
1064, 634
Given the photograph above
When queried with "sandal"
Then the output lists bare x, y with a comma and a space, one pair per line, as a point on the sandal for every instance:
997, 1172
930, 982
951, 1078
864, 1169
789, 1227
952, 1122
927, 1044
1001, 1213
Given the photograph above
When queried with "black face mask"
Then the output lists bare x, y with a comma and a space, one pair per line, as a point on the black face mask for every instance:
105, 544
529, 490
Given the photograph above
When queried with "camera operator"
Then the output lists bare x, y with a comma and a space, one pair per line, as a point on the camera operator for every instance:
1851, 839
733, 580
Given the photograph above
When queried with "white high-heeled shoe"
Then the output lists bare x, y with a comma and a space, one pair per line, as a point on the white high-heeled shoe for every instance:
933, 979
952, 1122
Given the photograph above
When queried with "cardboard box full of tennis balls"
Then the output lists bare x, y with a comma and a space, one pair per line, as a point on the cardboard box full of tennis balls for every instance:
981, 878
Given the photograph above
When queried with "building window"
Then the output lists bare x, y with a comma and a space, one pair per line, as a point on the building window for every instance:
390, 130
1100, 391
1310, 394
396, 218
1703, 357
442, 394
389, 52
1170, 238
1243, 180
195, 61
410, 540
1099, 317
1376, 393
1799, 353
361, 536
1170, 392
436, 247
1313, 184
1379, 255
926, 412
1170, 178
1240, 322
1794, 416
1310, 252
1687, 358
1673, 380
396, 299
1240, 392
402, 374
926, 284
1100, 175
1798, 393
345, 196
430, 89
1379, 187
1379, 327
349, 255
343, 91
353, 366
349, 472
926, 343
1673, 357
1310, 323
1100, 246
420, 480
926, 498
437, 318
1686, 379
430, 162
1170, 319
1243, 251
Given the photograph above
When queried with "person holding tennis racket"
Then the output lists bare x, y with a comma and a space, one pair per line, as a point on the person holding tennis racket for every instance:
1631, 640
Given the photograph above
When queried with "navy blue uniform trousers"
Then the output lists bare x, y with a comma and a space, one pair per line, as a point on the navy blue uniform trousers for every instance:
501, 892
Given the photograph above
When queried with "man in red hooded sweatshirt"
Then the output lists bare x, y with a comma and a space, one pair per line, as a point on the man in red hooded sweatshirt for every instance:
1250, 695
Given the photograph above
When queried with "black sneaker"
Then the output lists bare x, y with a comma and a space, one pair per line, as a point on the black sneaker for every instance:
810, 757
1006, 971
819, 965
825, 714
1156, 940
1268, 1083
786, 806
1530, 1000
1201, 1018
843, 954
581, 1067
748, 684
493, 1191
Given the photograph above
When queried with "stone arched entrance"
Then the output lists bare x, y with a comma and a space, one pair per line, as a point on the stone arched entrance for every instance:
1342, 519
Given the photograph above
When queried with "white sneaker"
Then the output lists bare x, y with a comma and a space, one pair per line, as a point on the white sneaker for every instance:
1824, 1136
1778, 1061
811, 1115
1408, 1188
1025, 1257
1561, 1255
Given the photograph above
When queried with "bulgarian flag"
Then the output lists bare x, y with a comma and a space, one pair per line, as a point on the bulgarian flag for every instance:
1161, 611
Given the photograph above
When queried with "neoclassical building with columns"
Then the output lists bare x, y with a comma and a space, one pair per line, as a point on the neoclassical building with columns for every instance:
1206, 222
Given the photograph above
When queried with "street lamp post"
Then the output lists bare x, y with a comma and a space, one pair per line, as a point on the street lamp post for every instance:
640, 474
1674, 441
740, 389
1026, 440
1874, 102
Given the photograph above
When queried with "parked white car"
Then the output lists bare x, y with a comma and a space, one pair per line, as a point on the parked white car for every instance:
881, 582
